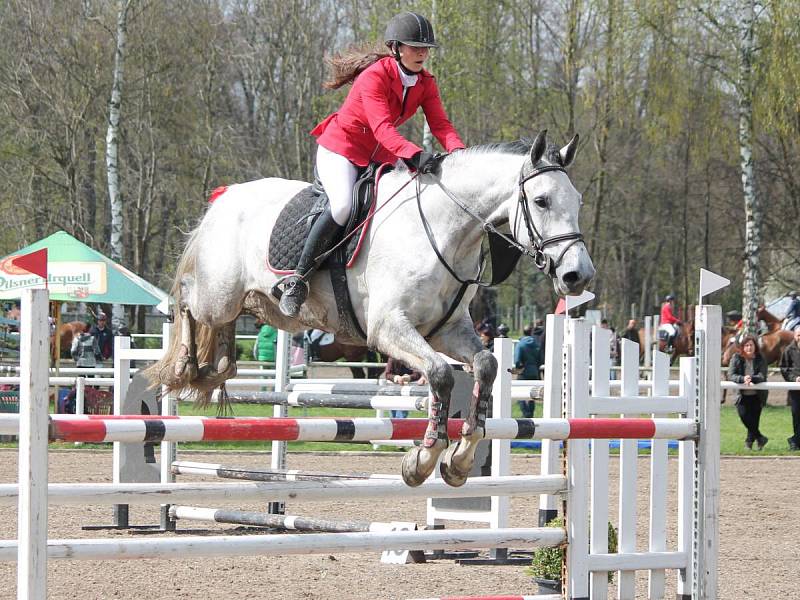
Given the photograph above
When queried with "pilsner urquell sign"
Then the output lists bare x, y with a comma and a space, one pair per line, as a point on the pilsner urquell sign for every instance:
75, 278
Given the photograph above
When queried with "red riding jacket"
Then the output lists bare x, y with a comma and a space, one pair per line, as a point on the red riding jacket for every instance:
667, 316
364, 129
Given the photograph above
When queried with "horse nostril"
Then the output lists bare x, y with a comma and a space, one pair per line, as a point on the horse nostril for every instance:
571, 277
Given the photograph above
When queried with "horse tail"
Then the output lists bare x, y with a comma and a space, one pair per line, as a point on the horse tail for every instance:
163, 372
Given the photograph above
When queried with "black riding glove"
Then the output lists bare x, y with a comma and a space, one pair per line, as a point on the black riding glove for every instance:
422, 161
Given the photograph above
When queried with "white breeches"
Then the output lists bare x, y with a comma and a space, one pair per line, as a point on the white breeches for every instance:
338, 176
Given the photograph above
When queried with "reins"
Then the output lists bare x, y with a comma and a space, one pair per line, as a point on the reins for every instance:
322, 257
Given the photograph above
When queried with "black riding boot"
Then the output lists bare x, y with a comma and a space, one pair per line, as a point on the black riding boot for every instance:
323, 234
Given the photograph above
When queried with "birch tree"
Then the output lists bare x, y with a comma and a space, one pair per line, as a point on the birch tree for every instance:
112, 147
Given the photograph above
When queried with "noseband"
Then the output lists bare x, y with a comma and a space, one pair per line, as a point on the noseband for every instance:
543, 262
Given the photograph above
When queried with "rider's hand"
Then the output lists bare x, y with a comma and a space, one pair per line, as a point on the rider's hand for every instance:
422, 161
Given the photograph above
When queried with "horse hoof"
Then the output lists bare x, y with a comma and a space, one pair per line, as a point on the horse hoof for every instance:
223, 364
410, 468
452, 474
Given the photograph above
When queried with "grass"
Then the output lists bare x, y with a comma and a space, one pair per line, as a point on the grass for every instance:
776, 424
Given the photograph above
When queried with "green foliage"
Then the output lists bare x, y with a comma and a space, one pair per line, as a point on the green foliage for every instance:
547, 562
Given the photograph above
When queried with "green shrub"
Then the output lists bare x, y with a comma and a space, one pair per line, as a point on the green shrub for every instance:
546, 562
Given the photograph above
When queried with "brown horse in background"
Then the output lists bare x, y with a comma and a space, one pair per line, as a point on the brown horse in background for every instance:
771, 343
682, 345
67, 333
336, 350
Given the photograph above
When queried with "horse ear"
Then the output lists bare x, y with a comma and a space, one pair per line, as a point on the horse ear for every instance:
539, 145
567, 153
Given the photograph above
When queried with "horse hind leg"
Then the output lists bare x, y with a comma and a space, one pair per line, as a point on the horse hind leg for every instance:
185, 368
459, 458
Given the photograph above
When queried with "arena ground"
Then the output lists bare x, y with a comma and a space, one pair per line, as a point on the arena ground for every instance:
759, 552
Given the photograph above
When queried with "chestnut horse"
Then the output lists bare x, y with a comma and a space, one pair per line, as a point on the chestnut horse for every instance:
682, 345
770, 343
67, 333
335, 350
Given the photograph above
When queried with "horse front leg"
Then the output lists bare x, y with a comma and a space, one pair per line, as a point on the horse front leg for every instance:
460, 342
394, 336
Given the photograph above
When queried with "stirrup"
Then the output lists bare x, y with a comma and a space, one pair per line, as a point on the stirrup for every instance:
277, 289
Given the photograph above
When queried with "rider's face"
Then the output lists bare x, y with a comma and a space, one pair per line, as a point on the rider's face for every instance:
413, 57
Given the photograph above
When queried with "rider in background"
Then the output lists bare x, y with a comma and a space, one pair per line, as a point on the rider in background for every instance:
388, 88
670, 323
792, 318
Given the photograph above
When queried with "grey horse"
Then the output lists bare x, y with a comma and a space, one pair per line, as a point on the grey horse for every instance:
406, 284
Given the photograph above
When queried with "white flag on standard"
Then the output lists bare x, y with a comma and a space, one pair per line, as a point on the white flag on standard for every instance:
573, 301
710, 283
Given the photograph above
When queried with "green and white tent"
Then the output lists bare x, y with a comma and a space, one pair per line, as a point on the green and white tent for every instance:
77, 273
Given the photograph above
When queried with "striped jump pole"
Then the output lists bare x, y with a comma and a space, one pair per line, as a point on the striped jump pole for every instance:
283, 522
187, 467
135, 428
293, 543
350, 400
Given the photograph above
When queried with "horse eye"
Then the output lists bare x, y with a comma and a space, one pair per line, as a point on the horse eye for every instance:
541, 202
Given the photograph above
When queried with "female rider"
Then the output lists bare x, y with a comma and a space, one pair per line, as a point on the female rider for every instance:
388, 88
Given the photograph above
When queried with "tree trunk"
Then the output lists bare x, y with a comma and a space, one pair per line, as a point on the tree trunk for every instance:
753, 214
112, 149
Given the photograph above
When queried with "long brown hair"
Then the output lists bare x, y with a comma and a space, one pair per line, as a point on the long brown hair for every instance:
347, 65
750, 338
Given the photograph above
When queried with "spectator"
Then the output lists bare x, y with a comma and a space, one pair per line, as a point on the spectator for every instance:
398, 372
790, 369
105, 339
13, 314
748, 367
85, 350
502, 330
486, 332
538, 333
792, 318
528, 360
631, 331
266, 343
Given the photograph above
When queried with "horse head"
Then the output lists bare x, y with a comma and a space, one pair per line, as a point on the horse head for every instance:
546, 217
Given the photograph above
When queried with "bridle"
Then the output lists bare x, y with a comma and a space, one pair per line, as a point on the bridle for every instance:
543, 262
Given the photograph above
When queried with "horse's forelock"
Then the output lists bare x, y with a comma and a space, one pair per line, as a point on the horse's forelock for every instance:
552, 155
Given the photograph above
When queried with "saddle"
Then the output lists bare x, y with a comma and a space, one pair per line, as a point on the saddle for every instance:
298, 216
294, 223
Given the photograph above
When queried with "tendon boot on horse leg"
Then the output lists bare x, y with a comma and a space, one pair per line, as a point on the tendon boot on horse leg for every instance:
185, 369
459, 458
419, 462
320, 239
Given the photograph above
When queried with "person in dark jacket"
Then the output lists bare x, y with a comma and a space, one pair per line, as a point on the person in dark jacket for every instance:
790, 369
105, 339
528, 361
748, 367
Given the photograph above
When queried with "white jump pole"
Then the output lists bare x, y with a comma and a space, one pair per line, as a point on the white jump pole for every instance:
34, 407
293, 543
304, 491
551, 408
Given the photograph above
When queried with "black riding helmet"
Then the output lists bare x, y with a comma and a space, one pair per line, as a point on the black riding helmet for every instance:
411, 29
